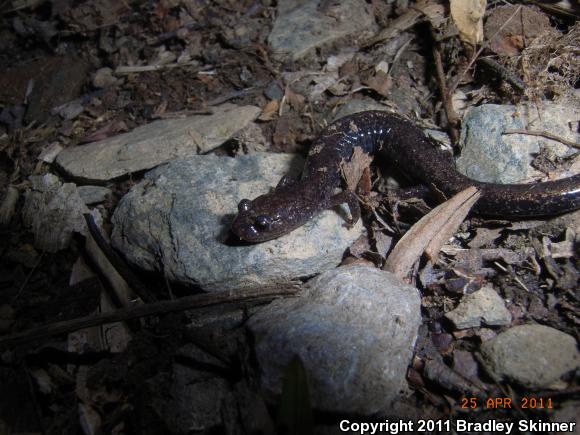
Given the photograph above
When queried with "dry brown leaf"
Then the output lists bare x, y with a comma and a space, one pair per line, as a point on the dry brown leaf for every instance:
269, 111
353, 169
468, 17
431, 232
510, 33
452, 218
381, 83
383, 242
295, 100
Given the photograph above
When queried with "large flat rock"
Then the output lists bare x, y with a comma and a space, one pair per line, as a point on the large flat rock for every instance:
177, 221
153, 144
304, 25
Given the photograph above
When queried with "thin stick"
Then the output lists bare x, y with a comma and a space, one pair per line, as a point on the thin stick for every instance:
36, 263
118, 263
545, 134
512, 276
254, 296
452, 117
137, 69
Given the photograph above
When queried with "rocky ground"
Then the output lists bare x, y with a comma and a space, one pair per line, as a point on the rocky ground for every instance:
129, 132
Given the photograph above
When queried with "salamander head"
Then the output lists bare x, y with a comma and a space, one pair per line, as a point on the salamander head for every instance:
261, 220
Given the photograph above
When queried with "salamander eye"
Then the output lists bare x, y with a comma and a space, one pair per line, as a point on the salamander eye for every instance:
263, 221
244, 205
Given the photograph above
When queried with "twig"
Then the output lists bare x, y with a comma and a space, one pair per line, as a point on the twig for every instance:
555, 9
254, 296
545, 134
456, 82
118, 263
133, 69
36, 263
160, 39
452, 117
235, 94
447, 92
512, 276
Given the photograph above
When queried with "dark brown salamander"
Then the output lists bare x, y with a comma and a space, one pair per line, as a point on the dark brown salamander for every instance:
295, 202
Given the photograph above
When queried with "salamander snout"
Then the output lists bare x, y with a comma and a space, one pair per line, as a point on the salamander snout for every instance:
254, 224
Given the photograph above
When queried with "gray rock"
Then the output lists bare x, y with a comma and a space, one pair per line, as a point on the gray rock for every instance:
534, 356
489, 155
49, 153
69, 110
177, 221
354, 329
274, 91
93, 194
484, 307
302, 25
153, 144
188, 400
54, 211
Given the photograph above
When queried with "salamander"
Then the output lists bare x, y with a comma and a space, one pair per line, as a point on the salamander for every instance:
293, 202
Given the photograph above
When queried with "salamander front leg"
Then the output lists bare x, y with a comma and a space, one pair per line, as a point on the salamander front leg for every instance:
285, 181
352, 202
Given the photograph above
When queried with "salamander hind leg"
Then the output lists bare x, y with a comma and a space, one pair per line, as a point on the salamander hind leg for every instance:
351, 200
